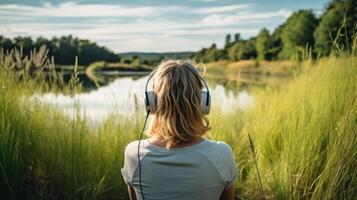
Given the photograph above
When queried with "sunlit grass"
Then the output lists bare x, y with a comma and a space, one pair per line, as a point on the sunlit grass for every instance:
46, 155
254, 67
304, 134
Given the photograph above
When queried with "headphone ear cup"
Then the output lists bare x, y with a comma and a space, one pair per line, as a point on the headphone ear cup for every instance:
150, 102
205, 102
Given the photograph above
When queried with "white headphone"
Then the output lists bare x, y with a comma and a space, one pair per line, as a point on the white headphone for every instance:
205, 98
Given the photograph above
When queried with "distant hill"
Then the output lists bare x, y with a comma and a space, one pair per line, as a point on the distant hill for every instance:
152, 56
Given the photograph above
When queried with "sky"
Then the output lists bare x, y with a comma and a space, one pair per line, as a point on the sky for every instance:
148, 25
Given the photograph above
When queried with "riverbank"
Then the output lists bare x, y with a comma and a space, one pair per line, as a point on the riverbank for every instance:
247, 73
104, 67
304, 134
254, 68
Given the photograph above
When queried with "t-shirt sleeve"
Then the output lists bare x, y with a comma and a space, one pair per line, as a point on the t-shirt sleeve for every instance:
130, 163
126, 178
221, 156
231, 173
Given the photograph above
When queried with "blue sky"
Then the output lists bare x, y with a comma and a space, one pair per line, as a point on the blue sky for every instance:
148, 25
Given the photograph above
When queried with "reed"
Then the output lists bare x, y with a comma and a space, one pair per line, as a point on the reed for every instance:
305, 139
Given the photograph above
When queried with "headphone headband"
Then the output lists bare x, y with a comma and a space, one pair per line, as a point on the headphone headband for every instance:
205, 97
147, 82
154, 72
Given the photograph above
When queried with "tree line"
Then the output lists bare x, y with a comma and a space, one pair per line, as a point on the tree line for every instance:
302, 32
63, 49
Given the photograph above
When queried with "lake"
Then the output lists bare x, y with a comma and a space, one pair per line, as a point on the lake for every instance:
124, 95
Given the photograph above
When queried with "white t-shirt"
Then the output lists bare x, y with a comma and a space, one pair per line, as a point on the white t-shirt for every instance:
200, 171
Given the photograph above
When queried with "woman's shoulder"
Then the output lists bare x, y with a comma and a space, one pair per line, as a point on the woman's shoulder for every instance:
131, 149
219, 147
221, 156
218, 152
132, 145
208, 147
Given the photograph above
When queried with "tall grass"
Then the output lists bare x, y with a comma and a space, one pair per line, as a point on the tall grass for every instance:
45, 155
305, 140
305, 134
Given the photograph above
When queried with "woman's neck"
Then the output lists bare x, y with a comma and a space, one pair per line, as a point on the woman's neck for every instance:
163, 143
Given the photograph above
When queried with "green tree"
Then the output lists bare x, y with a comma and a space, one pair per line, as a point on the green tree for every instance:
233, 51
339, 15
201, 54
90, 52
297, 34
25, 43
6, 43
242, 50
263, 44
50, 45
64, 49
68, 49
237, 37
276, 44
212, 54
125, 60
228, 40
136, 61
248, 50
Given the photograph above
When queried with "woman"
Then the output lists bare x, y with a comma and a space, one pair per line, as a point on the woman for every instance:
176, 161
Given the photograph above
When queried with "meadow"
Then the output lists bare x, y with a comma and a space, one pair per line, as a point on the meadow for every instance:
303, 139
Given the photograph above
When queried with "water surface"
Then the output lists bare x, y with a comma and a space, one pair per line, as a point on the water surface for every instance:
124, 95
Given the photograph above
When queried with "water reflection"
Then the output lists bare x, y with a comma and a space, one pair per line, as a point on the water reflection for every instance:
125, 95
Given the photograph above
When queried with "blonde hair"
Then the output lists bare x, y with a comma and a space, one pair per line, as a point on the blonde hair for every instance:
178, 117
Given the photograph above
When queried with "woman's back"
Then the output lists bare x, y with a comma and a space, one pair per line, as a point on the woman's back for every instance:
200, 171
178, 102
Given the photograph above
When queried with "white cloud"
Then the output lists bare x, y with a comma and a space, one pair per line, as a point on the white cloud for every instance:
136, 28
222, 9
224, 20
72, 9
204, 0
